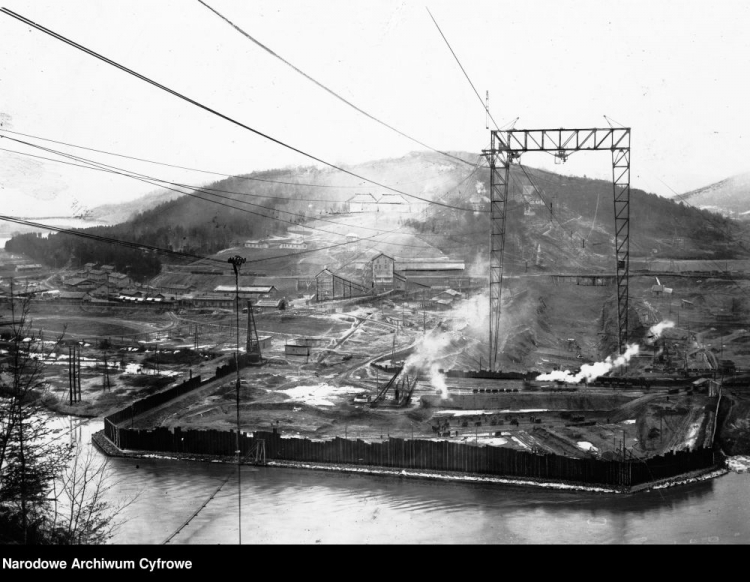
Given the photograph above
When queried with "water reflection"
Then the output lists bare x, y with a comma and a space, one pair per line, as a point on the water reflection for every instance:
302, 506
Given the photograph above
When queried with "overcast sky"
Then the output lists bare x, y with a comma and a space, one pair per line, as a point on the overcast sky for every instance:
673, 71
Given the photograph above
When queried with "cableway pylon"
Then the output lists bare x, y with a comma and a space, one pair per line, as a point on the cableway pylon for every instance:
507, 146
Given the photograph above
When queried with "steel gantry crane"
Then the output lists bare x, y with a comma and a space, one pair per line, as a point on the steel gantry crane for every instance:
506, 146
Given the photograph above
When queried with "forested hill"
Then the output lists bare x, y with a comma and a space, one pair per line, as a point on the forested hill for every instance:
572, 218
575, 213
730, 197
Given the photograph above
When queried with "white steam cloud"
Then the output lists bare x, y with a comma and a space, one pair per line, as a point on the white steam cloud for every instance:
479, 267
468, 319
655, 331
424, 359
591, 372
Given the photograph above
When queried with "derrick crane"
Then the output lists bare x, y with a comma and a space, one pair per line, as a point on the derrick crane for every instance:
507, 146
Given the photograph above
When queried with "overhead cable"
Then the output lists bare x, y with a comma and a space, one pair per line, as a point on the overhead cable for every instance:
462, 69
326, 89
162, 183
215, 112
234, 176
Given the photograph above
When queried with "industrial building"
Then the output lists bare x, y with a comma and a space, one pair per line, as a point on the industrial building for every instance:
248, 292
362, 203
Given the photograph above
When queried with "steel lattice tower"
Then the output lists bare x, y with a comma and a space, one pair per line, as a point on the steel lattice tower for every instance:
507, 146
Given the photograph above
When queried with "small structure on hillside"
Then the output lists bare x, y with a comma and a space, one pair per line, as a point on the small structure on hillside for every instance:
209, 300
302, 346
264, 304
176, 288
252, 292
431, 271
362, 203
264, 341
328, 285
295, 244
256, 244
28, 267
393, 203
378, 273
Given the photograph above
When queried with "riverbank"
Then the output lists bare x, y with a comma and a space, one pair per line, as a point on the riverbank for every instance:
108, 448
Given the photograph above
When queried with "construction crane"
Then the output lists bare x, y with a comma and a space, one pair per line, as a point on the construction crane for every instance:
507, 146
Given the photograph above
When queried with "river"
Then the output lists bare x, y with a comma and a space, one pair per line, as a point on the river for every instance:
298, 506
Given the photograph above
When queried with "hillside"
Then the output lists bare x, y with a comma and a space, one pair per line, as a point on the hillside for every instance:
124, 211
581, 223
553, 221
568, 222
730, 197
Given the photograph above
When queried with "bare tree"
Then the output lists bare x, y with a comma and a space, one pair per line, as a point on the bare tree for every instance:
41, 476
29, 456
85, 513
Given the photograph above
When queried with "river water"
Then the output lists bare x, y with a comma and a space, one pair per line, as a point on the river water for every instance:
298, 506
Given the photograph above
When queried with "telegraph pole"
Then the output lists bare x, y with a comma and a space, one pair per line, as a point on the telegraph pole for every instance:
236, 262
71, 375
78, 371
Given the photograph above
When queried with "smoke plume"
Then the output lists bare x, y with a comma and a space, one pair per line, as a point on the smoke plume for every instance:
655, 331
591, 372
425, 359
479, 267
468, 320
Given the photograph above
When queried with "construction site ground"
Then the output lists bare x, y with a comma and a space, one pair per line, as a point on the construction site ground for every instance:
545, 327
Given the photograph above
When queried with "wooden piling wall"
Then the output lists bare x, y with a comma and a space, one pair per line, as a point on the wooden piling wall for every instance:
413, 454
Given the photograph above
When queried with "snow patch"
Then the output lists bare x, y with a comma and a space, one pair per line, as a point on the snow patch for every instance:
487, 412
739, 464
520, 442
494, 442
586, 446
692, 435
319, 395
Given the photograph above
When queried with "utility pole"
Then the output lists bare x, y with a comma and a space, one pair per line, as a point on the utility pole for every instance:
71, 375
78, 371
236, 262
105, 383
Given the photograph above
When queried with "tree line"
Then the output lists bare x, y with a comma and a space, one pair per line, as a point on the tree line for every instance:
65, 250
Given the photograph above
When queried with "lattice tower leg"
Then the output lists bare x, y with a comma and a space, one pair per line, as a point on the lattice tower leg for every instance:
621, 187
499, 181
252, 347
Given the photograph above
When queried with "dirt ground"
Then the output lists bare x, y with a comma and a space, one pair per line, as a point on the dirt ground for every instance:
545, 327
